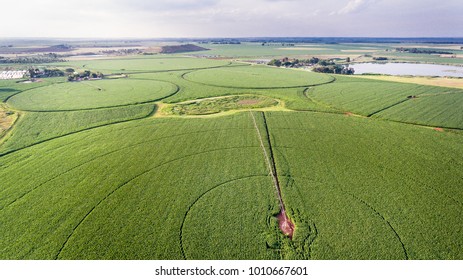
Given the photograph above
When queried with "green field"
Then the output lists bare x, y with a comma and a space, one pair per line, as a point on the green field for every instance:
174, 162
256, 78
145, 64
91, 95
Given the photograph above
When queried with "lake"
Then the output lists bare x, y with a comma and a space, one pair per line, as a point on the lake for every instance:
408, 69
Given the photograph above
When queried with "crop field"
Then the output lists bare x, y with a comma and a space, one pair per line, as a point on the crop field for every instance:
418, 104
91, 95
146, 64
193, 158
257, 78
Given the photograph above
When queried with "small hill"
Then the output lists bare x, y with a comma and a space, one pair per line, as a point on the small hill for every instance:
182, 48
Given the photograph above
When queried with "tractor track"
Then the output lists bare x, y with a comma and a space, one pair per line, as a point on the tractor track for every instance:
119, 187
101, 156
286, 225
200, 197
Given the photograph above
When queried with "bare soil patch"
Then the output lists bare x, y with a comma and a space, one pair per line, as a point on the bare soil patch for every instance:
285, 224
248, 101
439, 129
440, 82
7, 119
348, 114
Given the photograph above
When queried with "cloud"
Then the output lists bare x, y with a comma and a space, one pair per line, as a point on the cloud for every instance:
165, 5
355, 6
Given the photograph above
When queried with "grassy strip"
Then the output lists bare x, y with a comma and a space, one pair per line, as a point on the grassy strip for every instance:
221, 104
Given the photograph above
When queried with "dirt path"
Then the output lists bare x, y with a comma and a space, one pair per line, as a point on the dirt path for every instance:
285, 224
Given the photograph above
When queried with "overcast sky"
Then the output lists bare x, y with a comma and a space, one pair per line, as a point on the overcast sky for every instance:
231, 18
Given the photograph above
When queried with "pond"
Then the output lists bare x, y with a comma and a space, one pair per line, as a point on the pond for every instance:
413, 69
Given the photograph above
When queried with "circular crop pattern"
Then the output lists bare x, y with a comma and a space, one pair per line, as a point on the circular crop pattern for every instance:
257, 77
91, 94
153, 64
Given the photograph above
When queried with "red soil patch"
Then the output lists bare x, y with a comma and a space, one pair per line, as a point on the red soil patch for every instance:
439, 129
349, 114
286, 226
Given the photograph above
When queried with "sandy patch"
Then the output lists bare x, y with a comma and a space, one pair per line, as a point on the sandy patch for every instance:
7, 119
451, 55
248, 102
440, 82
441, 47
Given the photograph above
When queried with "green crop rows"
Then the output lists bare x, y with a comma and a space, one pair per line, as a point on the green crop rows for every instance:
93, 170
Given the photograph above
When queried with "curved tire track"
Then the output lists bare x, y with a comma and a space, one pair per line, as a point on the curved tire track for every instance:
383, 218
371, 208
100, 156
200, 197
127, 182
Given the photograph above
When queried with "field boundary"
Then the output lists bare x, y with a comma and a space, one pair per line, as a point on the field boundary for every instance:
388, 107
103, 155
153, 111
21, 91
383, 218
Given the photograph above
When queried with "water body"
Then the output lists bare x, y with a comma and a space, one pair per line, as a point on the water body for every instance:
408, 69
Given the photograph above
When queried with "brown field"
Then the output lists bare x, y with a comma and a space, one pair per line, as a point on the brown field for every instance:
6, 120
440, 82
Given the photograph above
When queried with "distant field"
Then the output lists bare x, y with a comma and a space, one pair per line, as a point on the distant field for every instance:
91, 94
186, 158
146, 64
441, 82
257, 77
418, 104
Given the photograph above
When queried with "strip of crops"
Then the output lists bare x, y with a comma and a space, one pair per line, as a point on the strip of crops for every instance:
372, 190
38, 127
442, 110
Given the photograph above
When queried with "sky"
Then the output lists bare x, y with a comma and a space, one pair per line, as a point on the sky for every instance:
231, 18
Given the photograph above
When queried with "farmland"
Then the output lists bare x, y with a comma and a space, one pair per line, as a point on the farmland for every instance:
177, 159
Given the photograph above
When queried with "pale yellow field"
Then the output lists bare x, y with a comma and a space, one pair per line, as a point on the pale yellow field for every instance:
6, 120
448, 47
440, 82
